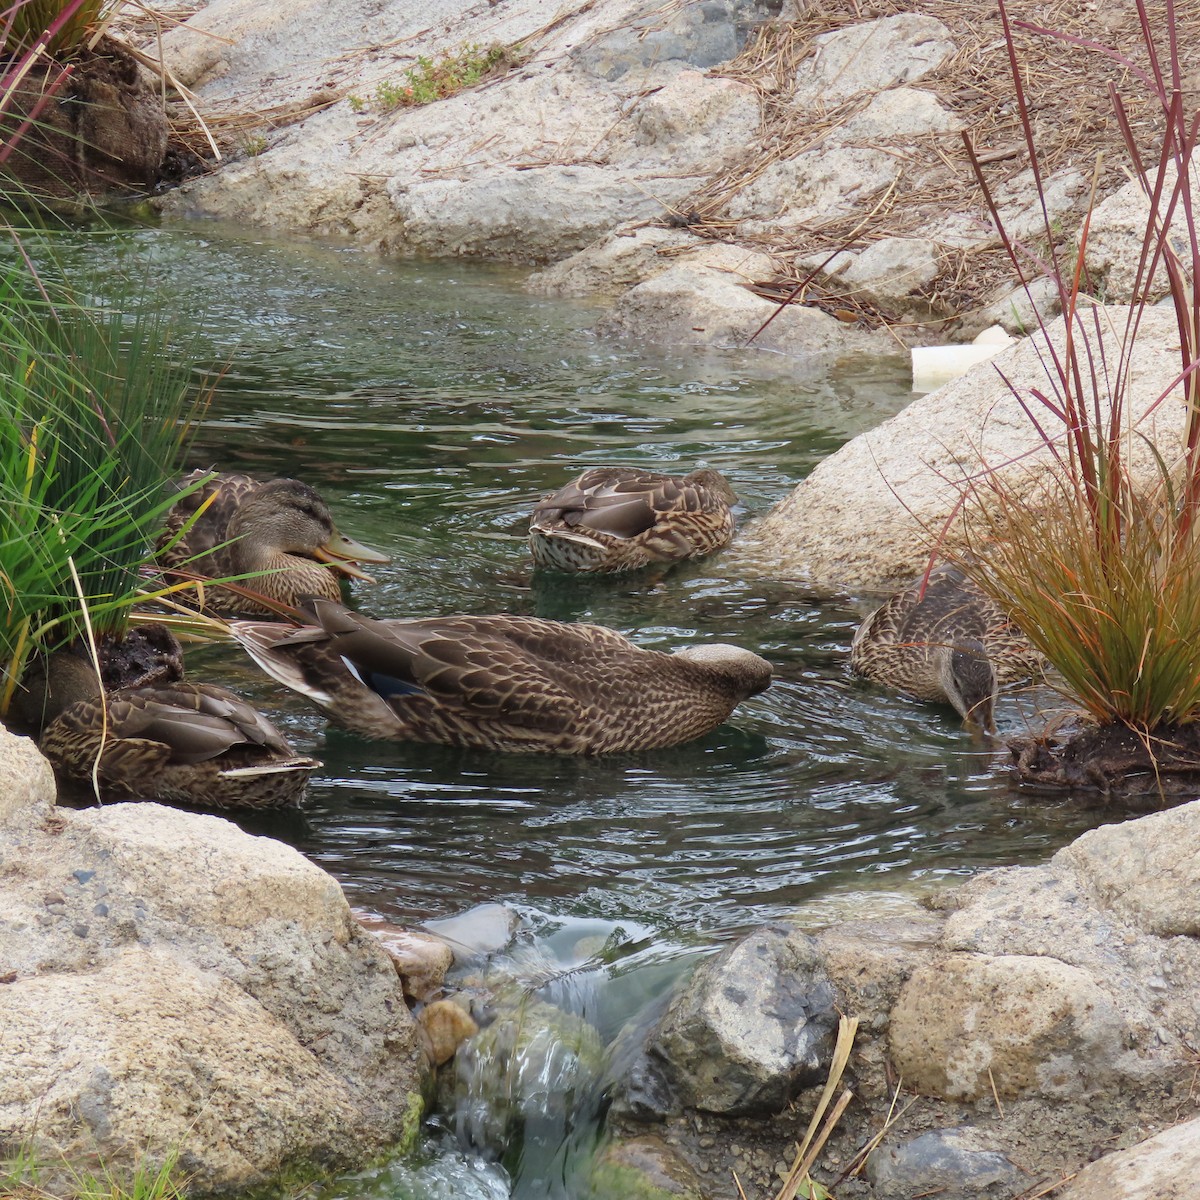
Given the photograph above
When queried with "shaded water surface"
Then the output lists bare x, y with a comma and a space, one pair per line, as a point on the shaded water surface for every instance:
432, 404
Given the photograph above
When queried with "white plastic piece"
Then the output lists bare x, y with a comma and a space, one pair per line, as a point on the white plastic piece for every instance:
934, 365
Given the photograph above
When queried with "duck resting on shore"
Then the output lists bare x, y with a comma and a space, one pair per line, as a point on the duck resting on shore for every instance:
509, 683
950, 644
279, 531
183, 743
622, 518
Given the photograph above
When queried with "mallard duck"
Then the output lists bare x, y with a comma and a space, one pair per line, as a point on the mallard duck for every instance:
183, 743
503, 682
621, 518
234, 525
951, 645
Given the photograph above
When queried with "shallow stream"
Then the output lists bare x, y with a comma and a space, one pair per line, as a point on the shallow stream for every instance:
432, 403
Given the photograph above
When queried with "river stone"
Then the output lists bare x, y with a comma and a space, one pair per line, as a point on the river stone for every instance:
643, 1168
869, 57
940, 1162
696, 35
240, 926
752, 1026
966, 1024
27, 789
694, 305
528, 216
482, 930
421, 960
145, 1055
627, 257
868, 961
534, 1066
447, 1025
867, 516
1017, 310
1164, 1167
1116, 233
816, 186
893, 272
1147, 871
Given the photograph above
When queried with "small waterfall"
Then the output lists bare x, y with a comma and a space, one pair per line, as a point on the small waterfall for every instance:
528, 1091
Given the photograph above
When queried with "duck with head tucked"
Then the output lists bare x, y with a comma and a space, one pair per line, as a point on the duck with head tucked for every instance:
183, 743
509, 683
279, 533
948, 643
622, 518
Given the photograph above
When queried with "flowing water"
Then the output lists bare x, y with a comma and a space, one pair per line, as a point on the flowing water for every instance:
432, 403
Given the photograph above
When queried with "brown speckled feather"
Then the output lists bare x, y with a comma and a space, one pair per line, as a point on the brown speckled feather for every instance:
621, 518
899, 643
188, 743
503, 682
275, 530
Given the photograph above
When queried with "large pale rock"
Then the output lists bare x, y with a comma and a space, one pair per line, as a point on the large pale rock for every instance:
628, 257
1065, 195
893, 272
871, 56
701, 306
602, 122
148, 1053
696, 123
868, 961
900, 112
535, 215
27, 789
868, 515
967, 1023
697, 35
816, 186
262, 949
1164, 1167
753, 1025
1116, 234
1146, 871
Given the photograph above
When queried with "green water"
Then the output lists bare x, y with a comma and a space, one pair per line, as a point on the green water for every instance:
432, 404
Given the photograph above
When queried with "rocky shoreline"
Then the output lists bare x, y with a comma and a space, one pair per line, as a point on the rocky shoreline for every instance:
170, 983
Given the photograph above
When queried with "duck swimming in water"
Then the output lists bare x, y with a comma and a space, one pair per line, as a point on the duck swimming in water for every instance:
622, 518
183, 743
279, 532
948, 643
518, 684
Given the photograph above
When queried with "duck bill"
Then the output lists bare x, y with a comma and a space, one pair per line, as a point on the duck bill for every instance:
344, 554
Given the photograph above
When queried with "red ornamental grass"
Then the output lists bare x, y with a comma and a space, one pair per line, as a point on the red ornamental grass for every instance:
1102, 572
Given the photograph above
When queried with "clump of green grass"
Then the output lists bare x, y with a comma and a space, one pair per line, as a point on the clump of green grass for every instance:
96, 408
1103, 574
27, 1176
61, 27
431, 80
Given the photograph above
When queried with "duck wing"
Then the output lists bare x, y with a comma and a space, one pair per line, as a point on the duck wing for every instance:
198, 523
501, 668
619, 501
